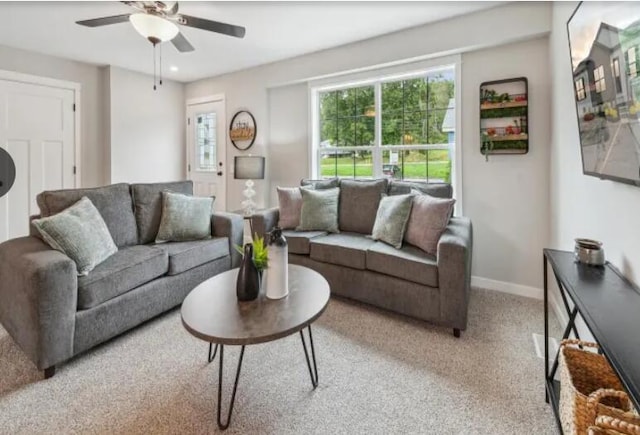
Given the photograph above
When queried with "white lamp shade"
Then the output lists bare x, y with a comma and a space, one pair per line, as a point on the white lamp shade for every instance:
151, 26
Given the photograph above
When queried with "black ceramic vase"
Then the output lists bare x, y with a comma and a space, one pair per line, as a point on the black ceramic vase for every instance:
248, 283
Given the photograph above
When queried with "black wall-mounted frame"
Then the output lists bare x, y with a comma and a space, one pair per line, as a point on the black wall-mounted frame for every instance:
504, 116
238, 144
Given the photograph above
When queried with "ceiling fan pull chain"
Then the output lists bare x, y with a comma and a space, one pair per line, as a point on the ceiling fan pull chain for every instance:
154, 67
160, 64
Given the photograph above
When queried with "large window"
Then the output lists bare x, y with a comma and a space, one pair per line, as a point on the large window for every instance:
402, 128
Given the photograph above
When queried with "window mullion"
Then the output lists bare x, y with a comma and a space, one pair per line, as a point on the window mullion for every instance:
377, 141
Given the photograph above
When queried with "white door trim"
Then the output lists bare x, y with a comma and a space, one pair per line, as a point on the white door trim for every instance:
205, 99
63, 84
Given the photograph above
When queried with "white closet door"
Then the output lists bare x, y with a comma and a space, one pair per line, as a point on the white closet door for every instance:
37, 130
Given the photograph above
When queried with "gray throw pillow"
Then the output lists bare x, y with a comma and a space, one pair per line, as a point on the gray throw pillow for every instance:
290, 206
79, 232
428, 219
328, 183
184, 218
391, 219
319, 210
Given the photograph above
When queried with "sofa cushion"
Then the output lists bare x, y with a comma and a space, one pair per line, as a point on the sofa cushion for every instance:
428, 220
123, 271
319, 210
79, 232
147, 201
185, 218
329, 183
391, 219
409, 263
298, 241
187, 255
113, 202
290, 205
344, 249
359, 201
439, 190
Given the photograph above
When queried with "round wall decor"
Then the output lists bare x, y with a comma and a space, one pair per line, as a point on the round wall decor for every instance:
242, 130
7, 172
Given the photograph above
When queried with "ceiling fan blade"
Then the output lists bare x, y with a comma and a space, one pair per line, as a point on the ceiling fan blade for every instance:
104, 21
212, 26
181, 43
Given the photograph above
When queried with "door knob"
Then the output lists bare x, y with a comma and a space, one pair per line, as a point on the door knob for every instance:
219, 174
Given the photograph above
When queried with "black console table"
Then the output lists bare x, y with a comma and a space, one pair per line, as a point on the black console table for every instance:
610, 306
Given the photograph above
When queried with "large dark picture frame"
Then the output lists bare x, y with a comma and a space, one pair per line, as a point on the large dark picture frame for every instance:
604, 43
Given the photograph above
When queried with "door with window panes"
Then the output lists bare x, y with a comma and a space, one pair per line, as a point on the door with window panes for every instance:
206, 164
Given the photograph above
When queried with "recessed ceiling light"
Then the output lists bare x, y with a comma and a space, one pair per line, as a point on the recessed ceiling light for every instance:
173, 68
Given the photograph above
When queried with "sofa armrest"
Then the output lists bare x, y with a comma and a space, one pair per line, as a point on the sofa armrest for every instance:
229, 225
454, 270
264, 221
38, 299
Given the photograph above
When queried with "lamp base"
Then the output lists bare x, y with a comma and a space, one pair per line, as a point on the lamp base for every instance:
248, 205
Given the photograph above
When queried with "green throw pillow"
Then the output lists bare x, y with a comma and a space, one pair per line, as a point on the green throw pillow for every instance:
319, 210
391, 219
79, 232
185, 218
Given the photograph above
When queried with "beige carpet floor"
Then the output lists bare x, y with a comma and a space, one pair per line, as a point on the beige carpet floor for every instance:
379, 373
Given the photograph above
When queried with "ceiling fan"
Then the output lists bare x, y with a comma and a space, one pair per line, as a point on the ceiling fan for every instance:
158, 22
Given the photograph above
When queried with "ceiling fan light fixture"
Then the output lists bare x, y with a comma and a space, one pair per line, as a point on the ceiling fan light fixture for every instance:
154, 28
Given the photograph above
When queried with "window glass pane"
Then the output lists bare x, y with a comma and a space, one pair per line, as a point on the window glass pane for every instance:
414, 164
346, 132
346, 103
365, 102
391, 129
328, 163
391, 166
363, 164
441, 89
437, 126
365, 131
439, 166
328, 133
206, 141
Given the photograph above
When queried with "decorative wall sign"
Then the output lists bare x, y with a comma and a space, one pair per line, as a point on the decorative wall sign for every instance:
7, 172
242, 130
504, 113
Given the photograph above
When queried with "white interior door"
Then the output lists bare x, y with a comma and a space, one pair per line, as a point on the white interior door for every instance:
37, 129
206, 150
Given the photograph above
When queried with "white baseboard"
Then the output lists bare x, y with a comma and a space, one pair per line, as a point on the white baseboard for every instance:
506, 287
522, 290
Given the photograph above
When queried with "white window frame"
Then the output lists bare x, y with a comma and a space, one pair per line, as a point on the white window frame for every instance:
599, 79
377, 77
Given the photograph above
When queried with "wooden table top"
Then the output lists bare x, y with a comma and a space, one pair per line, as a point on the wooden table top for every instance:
212, 312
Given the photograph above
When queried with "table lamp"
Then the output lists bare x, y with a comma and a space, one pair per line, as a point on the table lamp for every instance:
248, 168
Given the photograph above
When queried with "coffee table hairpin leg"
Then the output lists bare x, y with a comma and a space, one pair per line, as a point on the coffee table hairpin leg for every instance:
221, 425
215, 351
313, 373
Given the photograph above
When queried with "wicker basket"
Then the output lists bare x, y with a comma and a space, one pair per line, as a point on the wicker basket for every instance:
583, 373
606, 425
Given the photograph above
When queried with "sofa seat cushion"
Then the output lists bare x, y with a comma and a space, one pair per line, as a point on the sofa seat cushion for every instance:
123, 271
299, 241
344, 249
409, 263
187, 255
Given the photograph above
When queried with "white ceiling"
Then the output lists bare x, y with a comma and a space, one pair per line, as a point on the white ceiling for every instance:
275, 31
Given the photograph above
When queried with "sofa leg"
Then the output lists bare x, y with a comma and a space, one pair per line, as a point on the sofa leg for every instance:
456, 332
49, 372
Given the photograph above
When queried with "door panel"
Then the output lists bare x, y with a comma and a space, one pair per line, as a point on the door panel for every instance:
206, 150
37, 129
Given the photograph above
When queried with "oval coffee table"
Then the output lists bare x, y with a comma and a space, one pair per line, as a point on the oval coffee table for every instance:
212, 313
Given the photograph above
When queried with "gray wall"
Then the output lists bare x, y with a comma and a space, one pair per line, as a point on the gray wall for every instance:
147, 128
93, 126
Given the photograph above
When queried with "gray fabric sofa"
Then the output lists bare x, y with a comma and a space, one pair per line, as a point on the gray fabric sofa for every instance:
407, 280
53, 314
